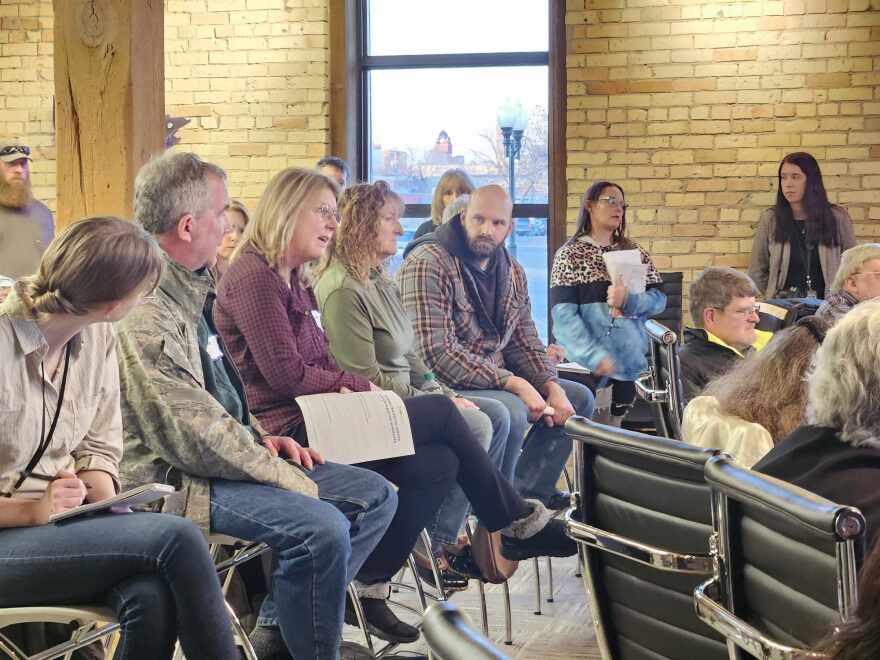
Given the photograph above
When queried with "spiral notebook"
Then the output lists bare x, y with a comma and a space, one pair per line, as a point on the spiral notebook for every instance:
134, 497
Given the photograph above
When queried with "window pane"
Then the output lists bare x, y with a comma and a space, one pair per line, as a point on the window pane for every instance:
426, 121
529, 247
425, 27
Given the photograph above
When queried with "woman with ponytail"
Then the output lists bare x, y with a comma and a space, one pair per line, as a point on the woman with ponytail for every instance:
61, 444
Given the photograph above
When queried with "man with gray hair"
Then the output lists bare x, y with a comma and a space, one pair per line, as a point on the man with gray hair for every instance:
857, 279
837, 453
724, 313
185, 418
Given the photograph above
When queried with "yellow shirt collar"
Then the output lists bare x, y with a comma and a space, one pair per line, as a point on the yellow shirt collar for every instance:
763, 337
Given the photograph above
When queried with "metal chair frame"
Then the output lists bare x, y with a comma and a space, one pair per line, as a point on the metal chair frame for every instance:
663, 393
91, 629
714, 601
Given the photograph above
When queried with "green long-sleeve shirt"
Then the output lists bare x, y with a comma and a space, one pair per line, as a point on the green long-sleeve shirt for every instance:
370, 333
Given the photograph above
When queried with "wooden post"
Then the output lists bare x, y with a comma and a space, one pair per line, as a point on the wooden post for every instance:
109, 102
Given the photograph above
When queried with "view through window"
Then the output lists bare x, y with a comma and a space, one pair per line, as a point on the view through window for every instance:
437, 78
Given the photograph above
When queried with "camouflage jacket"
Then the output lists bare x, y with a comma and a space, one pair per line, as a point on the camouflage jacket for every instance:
170, 421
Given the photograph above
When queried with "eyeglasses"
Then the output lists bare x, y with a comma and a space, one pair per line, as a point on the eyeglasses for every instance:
872, 273
328, 212
614, 202
745, 312
15, 149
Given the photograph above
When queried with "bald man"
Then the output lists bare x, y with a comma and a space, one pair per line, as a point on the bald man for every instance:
469, 302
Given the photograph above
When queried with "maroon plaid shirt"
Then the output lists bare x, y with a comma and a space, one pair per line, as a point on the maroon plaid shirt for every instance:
273, 339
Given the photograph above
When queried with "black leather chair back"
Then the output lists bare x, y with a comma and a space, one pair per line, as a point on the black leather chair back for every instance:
643, 521
672, 287
787, 561
450, 637
661, 385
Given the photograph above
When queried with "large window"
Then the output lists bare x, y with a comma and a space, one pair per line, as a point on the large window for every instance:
434, 79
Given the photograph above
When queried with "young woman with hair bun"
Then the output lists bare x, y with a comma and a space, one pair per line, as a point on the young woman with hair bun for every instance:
61, 444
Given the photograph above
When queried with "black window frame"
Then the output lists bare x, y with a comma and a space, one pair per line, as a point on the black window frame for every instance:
365, 63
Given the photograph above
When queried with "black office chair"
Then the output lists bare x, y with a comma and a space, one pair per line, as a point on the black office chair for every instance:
673, 285
450, 637
642, 523
786, 563
661, 385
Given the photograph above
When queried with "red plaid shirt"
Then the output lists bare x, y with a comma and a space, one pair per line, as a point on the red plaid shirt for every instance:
275, 342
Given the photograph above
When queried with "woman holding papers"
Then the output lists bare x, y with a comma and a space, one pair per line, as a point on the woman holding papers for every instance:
599, 320
60, 446
266, 312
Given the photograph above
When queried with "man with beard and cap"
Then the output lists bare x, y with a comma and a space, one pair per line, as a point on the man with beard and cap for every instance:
26, 225
469, 302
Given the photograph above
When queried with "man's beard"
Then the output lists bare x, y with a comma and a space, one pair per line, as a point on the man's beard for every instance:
15, 194
482, 248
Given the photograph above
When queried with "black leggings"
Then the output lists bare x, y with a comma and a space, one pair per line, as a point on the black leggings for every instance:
446, 452
623, 392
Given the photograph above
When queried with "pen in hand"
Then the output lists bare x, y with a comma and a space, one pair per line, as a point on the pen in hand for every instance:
43, 477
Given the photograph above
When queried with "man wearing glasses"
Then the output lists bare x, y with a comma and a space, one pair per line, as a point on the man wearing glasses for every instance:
857, 279
26, 225
724, 312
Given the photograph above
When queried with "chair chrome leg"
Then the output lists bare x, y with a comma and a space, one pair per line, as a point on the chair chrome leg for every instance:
550, 580
438, 583
10, 649
420, 591
239, 632
537, 586
484, 612
508, 617
359, 615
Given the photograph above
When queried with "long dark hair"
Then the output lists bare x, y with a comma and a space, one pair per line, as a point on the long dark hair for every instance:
858, 638
585, 224
821, 225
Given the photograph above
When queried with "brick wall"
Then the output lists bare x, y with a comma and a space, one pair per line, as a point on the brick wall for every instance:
691, 104
26, 86
252, 75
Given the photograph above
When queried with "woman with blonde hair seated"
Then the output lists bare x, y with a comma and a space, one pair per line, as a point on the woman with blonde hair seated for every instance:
857, 279
237, 219
760, 401
60, 447
453, 184
266, 313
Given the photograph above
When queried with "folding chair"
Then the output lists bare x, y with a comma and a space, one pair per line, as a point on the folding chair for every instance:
786, 564
94, 623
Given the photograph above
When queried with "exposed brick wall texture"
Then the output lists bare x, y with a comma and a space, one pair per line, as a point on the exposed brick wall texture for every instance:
691, 104
251, 75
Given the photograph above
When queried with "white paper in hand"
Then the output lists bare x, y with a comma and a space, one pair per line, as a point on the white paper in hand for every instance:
627, 265
357, 427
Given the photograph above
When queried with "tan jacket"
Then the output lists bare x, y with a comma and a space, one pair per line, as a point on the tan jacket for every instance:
705, 425
768, 267
89, 431
170, 419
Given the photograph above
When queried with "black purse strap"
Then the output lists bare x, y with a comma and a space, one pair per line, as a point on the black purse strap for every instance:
45, 440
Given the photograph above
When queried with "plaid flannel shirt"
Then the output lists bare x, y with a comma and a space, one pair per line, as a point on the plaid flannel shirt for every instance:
449, 337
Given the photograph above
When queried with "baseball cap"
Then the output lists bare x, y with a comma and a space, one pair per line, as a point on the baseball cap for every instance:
12, 149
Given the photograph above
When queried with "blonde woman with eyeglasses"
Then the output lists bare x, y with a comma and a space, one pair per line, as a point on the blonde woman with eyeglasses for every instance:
600, 323
857, 279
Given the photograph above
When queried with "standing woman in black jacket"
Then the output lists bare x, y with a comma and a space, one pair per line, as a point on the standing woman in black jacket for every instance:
797, 245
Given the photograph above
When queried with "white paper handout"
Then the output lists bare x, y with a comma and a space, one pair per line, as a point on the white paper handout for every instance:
358, 426
627, 264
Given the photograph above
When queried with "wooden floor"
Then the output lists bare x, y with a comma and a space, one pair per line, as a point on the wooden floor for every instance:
563, 630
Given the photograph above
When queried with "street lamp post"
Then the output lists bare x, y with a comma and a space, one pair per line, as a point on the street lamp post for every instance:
512, 121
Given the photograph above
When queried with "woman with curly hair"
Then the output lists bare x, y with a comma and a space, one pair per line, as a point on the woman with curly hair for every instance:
797, 246
370, 334
761, 400
265, 312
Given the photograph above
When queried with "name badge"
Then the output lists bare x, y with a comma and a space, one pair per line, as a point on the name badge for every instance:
213, 348
317, 316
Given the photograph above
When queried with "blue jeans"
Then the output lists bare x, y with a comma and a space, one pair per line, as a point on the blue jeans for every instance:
318, 546
453, 510
153, 570
538, 466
